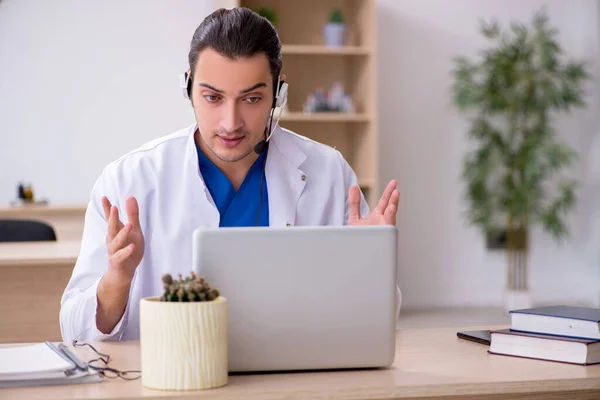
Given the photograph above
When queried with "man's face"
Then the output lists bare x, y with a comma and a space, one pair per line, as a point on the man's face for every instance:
232, 102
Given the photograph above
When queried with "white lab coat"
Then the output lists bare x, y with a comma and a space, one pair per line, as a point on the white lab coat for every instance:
164, 176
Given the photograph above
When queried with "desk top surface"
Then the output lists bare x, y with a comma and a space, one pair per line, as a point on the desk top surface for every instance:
36, 253
429, 362
35, 210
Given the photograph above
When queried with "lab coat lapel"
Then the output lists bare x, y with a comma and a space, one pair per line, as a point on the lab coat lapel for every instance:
202, 210
285, 179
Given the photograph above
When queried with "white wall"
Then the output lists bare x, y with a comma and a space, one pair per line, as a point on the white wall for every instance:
83, 82
103, 76
443, 261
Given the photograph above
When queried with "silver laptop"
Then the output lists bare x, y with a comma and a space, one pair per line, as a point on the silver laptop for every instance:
304, 298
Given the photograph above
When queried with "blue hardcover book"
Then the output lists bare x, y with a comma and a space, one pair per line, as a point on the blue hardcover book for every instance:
545, 347
570, 321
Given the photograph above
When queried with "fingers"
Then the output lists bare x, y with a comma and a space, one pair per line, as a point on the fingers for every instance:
385, 198
354, 204
106, 206
120, 240
122, 255
133, 211
389, 215
112, 215
114, 225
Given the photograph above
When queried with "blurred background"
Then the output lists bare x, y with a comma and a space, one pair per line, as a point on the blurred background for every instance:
82, 83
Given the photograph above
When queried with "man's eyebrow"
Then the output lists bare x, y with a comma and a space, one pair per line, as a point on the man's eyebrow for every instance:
253, 87
214, 89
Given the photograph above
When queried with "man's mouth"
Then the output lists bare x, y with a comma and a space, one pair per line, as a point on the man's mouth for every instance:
231, 141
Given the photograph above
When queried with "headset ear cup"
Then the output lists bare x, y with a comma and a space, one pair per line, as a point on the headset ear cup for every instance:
281, 98
276, 88
186, 85
283, 92
189, 87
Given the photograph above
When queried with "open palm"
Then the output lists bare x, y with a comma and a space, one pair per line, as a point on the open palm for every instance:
383, 214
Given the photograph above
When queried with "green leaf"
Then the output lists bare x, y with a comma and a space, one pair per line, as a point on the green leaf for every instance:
490, 30
576, 71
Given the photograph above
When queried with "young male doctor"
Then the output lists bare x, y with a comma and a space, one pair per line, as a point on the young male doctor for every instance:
234, 167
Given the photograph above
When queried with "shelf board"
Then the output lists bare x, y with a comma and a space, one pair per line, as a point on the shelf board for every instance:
324, 50
325, 117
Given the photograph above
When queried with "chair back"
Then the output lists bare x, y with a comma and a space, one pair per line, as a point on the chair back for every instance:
23, 230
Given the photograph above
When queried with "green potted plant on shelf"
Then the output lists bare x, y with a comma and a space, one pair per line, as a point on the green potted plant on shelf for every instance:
183, 336
335, 30
269, 13
513, 173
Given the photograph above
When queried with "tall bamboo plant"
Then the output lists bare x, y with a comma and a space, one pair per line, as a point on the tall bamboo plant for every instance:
510, 95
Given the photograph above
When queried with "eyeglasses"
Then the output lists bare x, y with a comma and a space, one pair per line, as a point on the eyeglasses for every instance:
108, 372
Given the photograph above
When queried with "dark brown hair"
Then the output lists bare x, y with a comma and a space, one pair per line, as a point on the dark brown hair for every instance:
237, 33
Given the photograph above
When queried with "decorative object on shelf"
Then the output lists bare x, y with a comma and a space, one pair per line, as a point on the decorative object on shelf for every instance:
183, 336
512, 175
25, 193
26, 196
21, 192
335, 30
336, 100
269, 13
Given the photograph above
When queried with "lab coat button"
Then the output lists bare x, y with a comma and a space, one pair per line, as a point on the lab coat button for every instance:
303, 177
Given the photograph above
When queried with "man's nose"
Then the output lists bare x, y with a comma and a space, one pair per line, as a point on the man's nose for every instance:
232, 119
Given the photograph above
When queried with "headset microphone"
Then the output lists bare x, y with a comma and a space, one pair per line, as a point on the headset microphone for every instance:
260, 147
279, 101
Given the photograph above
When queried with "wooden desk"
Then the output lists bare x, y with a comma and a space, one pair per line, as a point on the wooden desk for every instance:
67, 220
430, 363
34, 277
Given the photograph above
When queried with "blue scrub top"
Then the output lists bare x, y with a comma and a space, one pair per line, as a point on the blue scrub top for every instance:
237, 208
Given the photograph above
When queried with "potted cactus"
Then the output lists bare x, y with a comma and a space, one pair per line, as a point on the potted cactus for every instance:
335, 30
183, 336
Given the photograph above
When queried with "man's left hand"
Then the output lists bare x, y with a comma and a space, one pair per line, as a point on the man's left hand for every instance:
383, 214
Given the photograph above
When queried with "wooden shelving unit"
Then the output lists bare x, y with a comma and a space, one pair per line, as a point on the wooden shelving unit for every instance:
323, 50
308, 64
324, 117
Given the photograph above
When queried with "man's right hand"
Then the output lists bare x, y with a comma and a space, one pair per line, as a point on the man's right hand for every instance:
125, 247
125, 243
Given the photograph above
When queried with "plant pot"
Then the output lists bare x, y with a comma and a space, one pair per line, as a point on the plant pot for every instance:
334, 34
517, 299
183, 345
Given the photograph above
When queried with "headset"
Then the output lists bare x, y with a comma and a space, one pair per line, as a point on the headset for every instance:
279, 101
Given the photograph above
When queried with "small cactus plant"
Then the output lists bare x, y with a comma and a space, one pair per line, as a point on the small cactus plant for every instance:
192, 288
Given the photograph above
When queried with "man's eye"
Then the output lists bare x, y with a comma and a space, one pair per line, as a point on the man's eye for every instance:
253, 100
211, 98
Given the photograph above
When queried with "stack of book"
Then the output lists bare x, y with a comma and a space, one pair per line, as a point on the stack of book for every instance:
557, 333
